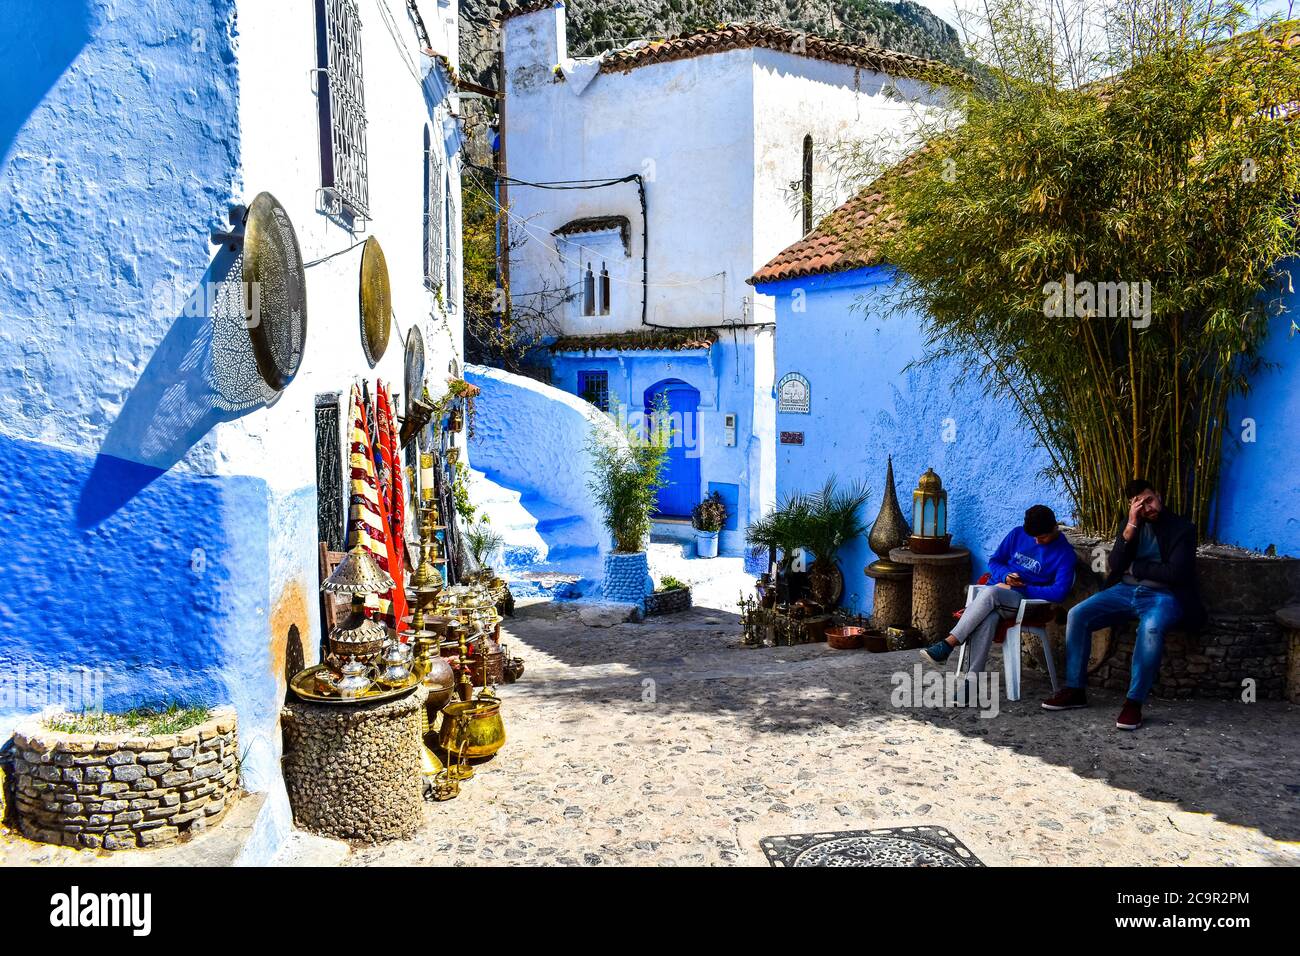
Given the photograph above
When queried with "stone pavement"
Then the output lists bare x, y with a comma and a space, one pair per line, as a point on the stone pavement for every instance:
668, 743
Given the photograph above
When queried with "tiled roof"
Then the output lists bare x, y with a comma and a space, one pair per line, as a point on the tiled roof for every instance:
850, 237
528, 8
651, 339
598, 224
739, 36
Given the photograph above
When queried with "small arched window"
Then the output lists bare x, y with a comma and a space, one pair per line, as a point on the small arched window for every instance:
604, 289
807, 184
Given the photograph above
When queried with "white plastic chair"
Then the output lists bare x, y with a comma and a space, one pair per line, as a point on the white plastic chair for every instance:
1011, 645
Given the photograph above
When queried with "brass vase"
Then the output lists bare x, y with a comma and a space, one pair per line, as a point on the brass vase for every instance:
472, 729
889, 531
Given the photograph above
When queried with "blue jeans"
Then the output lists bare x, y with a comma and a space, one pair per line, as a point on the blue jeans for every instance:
1155, 610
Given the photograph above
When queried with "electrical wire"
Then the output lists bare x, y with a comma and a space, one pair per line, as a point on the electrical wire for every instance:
316, 262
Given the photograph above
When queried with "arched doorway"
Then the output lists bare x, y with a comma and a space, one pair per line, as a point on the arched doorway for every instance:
681, 490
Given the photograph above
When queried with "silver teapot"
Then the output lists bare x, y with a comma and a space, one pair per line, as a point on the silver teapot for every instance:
355, 680
395, 665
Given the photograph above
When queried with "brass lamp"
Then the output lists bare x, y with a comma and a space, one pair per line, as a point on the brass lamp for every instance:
357, 637
929, 516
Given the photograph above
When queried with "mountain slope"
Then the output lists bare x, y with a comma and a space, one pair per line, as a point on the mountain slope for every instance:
597, 25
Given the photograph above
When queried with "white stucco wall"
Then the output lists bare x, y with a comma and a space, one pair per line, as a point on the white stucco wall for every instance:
281, 155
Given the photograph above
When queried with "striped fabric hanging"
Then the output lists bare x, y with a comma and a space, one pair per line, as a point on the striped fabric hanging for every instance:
389, 469
364, 512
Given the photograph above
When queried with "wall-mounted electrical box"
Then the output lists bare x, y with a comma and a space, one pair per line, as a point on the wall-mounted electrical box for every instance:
729, 430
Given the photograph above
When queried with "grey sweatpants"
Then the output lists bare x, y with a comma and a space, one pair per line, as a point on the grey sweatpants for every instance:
980, 621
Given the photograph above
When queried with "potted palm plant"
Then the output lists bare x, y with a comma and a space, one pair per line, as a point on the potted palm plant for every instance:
707, 518
833, 519
780, 532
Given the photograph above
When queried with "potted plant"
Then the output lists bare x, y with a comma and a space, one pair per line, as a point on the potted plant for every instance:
833, 520
626, 475
707, 518
780, 532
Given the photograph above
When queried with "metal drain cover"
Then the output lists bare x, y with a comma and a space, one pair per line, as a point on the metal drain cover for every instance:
889, 846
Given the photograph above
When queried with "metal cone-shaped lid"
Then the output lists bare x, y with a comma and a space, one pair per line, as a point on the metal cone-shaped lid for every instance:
358, 573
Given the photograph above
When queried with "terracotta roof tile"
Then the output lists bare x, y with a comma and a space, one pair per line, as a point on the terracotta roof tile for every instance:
739, 36
850, 237
656, 339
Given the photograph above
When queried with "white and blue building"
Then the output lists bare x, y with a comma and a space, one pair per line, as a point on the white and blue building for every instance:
845, 350
645, 185
161, 514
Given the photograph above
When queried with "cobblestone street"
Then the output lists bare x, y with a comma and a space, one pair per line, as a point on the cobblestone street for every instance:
667, 743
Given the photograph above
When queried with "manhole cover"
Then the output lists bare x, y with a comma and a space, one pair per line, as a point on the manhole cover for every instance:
890, 846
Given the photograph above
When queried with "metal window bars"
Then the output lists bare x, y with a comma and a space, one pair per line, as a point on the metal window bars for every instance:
433, 213
344, 179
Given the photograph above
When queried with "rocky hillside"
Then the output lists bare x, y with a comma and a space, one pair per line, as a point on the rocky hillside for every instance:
596, 25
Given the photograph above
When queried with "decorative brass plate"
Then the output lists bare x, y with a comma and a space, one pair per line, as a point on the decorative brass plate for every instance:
414, 370
303, 684
376, 301
275, 291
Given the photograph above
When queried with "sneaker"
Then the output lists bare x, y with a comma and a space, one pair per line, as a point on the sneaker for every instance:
937, 653
1130, 715
1067, 698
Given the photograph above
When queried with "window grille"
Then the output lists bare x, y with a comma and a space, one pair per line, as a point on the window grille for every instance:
342, 106
594, 388
807, 185
434, 214
451, 246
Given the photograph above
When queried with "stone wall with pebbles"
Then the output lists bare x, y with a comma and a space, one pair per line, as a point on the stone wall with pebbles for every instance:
119, 792
353, 771
627, 578
1242, 640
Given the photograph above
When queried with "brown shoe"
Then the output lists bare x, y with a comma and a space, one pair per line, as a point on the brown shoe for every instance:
1130, 715
1067, 698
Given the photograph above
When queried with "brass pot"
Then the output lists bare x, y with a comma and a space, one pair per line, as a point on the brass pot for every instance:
440, 679
472, 728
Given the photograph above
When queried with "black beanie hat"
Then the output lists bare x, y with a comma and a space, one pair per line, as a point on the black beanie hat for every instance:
1039, 520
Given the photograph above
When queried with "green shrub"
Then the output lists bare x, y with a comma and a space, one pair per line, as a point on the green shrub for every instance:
627, 475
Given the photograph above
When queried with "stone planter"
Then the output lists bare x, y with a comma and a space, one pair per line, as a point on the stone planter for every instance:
1243, 639
353, 772
627, 578
120, 792
668, 602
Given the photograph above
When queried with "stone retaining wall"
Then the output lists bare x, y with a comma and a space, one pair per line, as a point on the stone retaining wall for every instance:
1243, 640
668, 602
120, 792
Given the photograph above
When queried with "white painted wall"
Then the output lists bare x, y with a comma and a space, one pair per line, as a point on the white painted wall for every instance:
279, 129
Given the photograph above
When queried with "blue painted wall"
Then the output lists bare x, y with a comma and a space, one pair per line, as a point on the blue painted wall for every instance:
1259, 492
123, 549
724, 377
866, 404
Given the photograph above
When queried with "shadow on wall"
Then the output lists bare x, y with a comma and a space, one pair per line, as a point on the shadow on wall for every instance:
202, 373
37, 46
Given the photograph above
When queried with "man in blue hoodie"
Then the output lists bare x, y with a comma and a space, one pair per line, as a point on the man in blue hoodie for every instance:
1033, 561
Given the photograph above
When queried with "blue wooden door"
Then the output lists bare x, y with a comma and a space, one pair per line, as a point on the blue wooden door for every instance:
681, 491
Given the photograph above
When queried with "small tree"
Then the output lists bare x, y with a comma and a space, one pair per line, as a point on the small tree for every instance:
1099, 235
627, 472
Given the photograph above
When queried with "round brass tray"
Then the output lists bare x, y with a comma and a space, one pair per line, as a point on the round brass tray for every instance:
304, 685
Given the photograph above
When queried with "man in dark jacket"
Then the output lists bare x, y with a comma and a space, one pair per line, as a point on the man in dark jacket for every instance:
1152, 577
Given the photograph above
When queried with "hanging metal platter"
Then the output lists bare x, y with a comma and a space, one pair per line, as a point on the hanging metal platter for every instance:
376, 301
414, 377
275, 291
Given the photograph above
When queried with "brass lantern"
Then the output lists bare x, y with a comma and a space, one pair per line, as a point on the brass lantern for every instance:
929, 516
